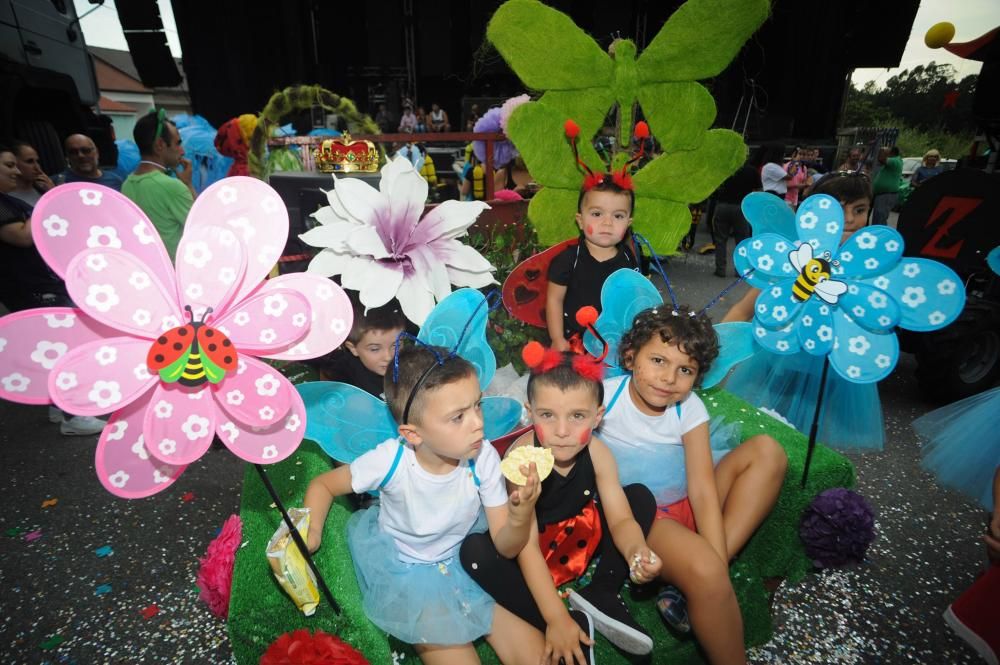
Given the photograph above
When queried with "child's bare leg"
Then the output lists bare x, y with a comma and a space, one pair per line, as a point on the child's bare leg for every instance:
690, 563
749, 480
515, 640
447, 654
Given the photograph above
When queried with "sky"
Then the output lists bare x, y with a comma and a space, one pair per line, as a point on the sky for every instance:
102, 28
972, 18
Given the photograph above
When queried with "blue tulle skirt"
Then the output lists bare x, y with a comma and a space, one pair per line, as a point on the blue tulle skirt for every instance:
660, 467
962, 445
851, 416
427, 603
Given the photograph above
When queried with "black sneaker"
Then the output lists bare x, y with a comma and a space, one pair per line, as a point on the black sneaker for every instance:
673, 608
583, 620
612, 619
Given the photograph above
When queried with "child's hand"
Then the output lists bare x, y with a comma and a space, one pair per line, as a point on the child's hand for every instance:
522, 500
560, 344
644, 566
313, 540
562, 642
992, 538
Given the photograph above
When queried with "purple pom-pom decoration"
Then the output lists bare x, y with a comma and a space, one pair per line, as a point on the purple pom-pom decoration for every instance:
837, 528
504, 152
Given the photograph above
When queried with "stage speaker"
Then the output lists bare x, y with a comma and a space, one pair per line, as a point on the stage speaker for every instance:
147, 43
303, 193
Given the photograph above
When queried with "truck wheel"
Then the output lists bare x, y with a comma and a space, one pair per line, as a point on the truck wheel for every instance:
970, 369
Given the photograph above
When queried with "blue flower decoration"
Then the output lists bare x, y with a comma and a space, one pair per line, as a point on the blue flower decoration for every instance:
844, 301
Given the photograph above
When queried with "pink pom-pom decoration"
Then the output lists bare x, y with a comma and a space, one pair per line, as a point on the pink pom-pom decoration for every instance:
215, 577
508, 108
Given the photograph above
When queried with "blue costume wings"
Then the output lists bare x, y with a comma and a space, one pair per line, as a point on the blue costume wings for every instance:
625, 294
347, 421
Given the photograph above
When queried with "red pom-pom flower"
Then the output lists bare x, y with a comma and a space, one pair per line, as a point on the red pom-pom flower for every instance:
215, 576
302, 648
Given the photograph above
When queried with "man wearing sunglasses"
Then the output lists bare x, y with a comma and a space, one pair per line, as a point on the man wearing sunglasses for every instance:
82, 161
164, 198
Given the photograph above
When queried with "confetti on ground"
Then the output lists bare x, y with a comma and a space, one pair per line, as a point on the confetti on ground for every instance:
188, 496
102, 589
104, 551
53, 642
48, 503
14, 532
33, 536
149, 612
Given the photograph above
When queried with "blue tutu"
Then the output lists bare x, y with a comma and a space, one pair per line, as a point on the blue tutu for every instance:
962, 446
851, 417
429, 603
660, 467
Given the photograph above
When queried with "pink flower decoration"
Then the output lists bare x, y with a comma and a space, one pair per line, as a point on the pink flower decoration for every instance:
215, 576
93, 360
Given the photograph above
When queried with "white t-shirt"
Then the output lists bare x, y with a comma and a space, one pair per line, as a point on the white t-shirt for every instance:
429, 515
624, 426
772, 178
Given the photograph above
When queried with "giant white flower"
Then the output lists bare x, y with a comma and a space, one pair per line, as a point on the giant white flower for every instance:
376, 240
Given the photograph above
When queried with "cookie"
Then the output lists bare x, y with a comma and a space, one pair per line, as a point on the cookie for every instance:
510, 467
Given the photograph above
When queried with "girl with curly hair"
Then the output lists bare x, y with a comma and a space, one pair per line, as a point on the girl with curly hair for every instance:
709, 502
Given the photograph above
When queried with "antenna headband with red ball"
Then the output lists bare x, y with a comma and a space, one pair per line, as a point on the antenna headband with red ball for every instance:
541, 360
621, 177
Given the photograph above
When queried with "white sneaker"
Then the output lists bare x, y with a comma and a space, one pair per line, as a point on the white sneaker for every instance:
56, 415
82, 426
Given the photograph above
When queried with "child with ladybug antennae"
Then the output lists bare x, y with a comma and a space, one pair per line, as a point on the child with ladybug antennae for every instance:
604, 218
789, 384
583, 511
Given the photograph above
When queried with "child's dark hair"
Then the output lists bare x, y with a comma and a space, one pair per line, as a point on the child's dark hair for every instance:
414, 361
608, 185
845, 186
386, 317
564, 377
691, 333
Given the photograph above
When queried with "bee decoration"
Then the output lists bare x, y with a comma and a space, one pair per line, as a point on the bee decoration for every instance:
814, 275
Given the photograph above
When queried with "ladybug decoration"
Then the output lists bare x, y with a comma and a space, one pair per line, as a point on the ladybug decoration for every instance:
192, 354
524, 290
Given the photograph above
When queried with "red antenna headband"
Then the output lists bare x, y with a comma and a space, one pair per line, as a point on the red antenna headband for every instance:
621, 177
541, 359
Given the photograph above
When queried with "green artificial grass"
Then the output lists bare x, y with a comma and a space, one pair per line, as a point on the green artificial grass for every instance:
260, 611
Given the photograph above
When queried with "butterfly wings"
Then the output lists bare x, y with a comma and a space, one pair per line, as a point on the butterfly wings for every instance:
626, 294
580, 80
525, 289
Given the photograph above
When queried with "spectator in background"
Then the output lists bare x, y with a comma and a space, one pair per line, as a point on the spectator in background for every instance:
728, 219
773, 177
928, 169
408, 123
798, 178
165, 200
31, 181
384, 119
421, 120
439, 119
886, 184
853, 161
82, 160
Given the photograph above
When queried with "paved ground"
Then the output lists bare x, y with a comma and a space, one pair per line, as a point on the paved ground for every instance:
886, 611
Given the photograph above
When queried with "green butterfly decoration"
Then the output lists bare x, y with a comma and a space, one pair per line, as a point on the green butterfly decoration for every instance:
583, 82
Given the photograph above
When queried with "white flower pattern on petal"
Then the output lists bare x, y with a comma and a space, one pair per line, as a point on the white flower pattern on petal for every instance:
55, 226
